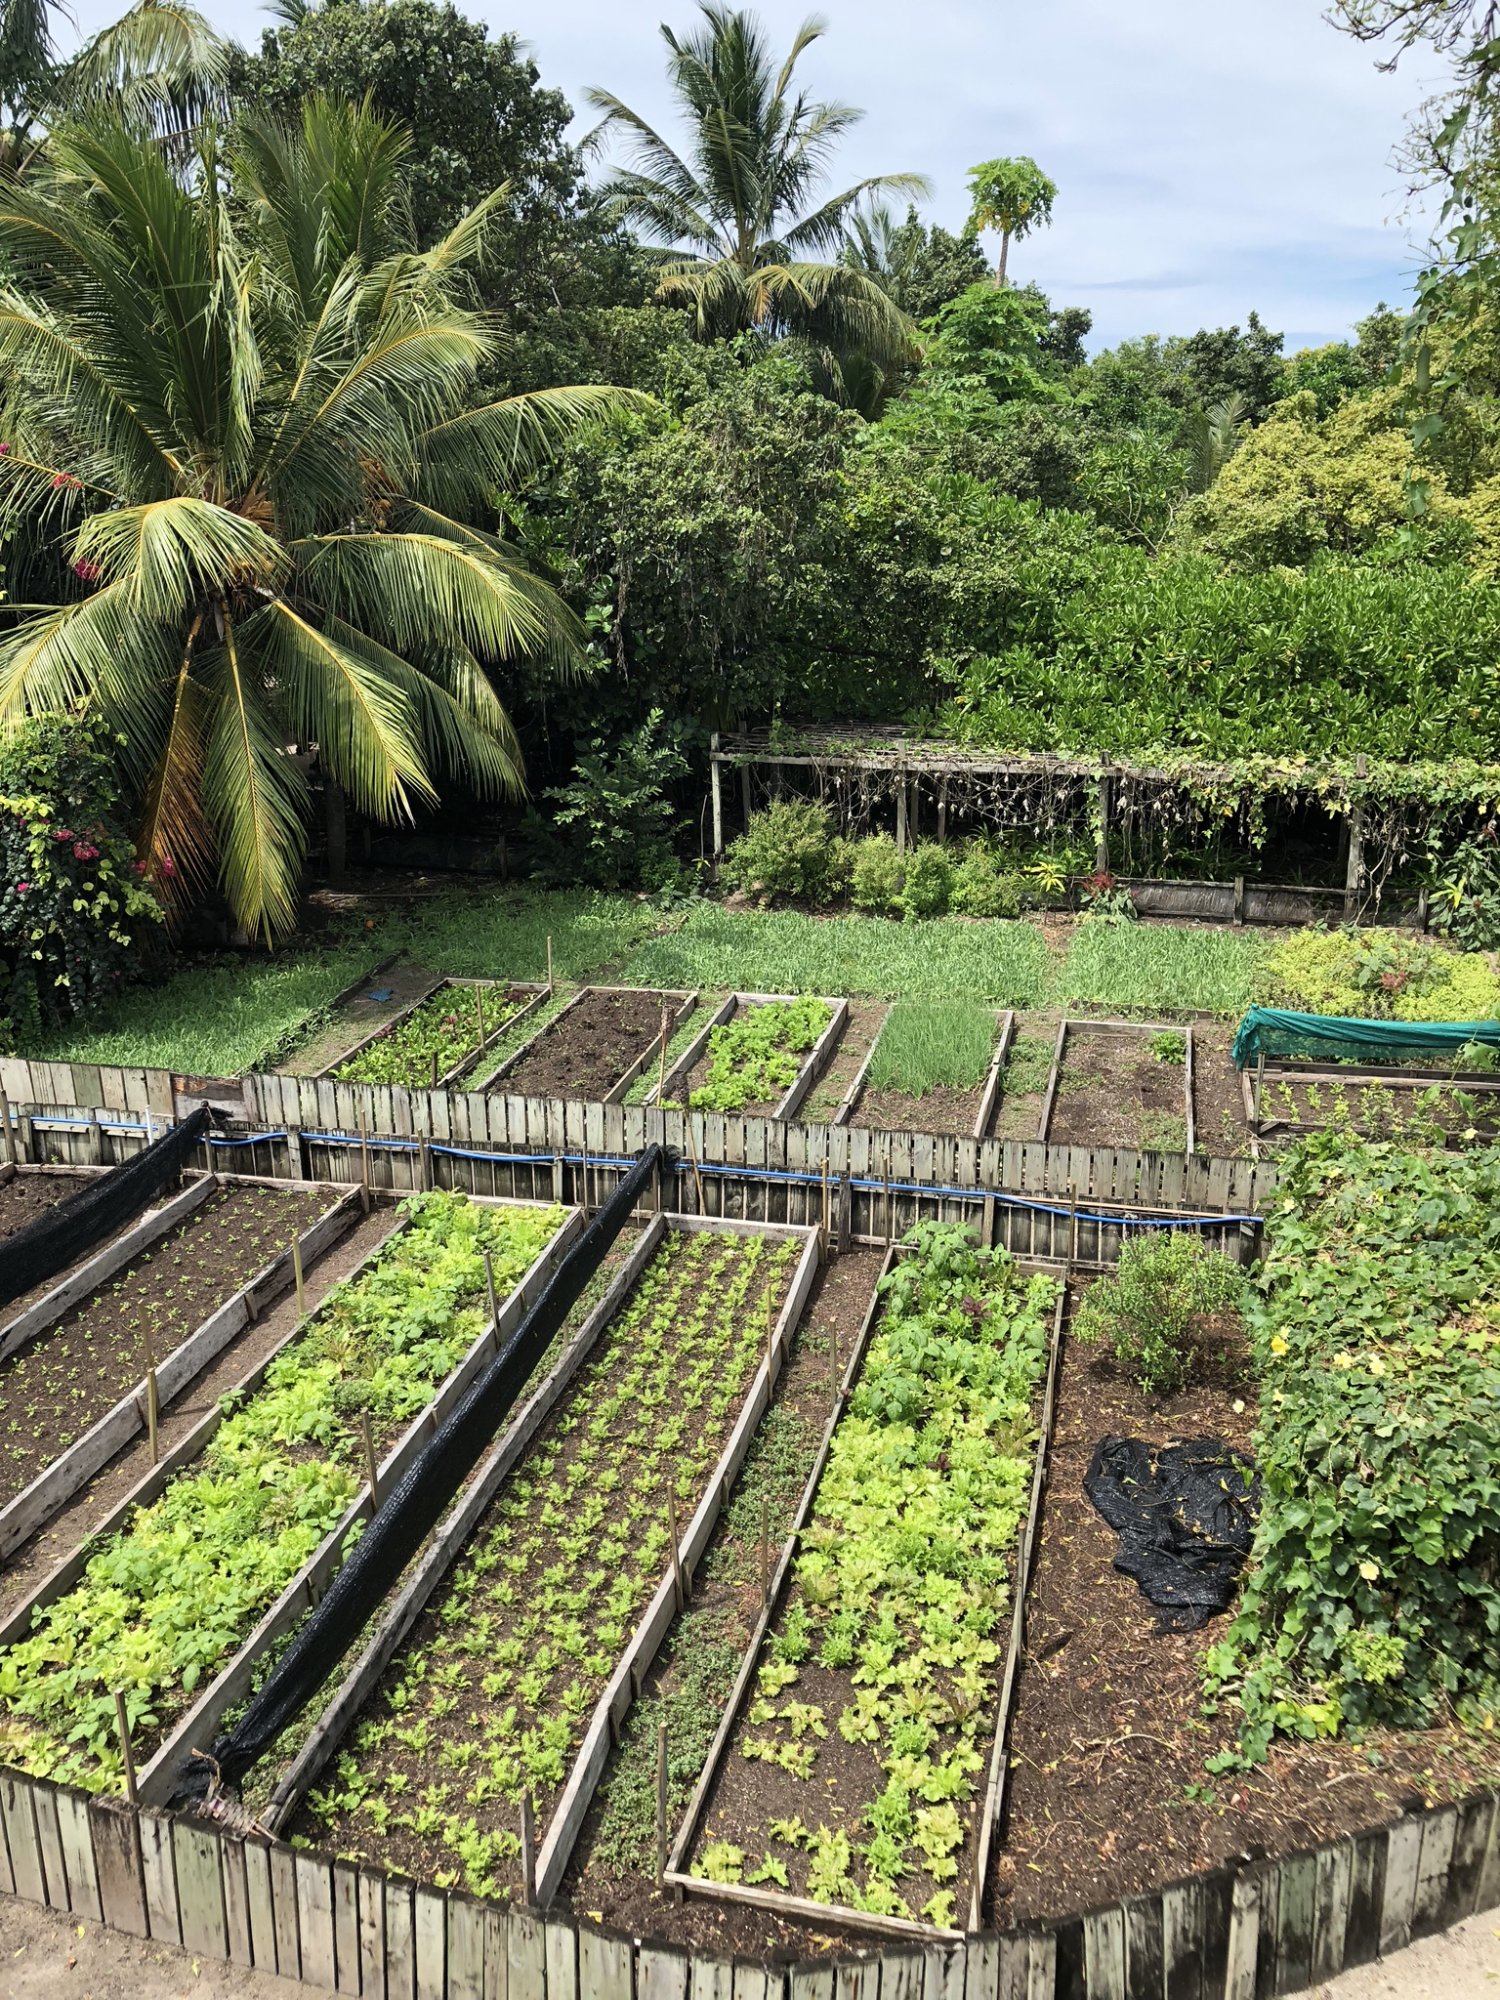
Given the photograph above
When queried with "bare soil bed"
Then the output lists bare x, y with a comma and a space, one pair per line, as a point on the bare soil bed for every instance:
1112, 1091
492, 1691
861, 1026
1109, 1796
73, 1372
941, 1111
1218, 1095
25, 1199
585, 1054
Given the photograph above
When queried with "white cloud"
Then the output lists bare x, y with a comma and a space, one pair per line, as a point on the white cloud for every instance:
1212, 155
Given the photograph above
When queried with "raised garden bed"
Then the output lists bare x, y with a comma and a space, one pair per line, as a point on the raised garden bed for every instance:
759, 1055
854, 1776
1120, 1083
943, 1077
507, 1667
78, 1390
441, 1036
231, 1537
1383, 1102
596, 1046
353, 1016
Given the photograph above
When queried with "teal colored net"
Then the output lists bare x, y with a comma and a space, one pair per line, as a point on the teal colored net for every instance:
1274, 1032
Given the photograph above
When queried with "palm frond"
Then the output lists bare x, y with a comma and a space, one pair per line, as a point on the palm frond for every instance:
254, 796
169, 553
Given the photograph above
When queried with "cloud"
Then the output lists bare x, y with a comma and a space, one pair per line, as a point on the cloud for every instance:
1211, 156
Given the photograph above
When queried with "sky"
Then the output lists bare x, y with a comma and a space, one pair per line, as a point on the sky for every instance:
1211, 155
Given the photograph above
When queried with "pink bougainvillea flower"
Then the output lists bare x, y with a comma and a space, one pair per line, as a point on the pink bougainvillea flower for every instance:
167, 867
22, 887
89, 572
83, 852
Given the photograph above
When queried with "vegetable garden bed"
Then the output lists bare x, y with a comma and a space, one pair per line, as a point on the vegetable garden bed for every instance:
914, 1546
1121, 1083
937, 1067
354, 1016
511, 1660
222, 1546
438, 1038
77, 1391
759, 1055
596, 1047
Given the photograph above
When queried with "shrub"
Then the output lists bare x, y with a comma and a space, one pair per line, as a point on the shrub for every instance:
1154, 1309
76, 919
789, 852
1379, 975
982, 888
875, 877
927, 883
1374, 1587
1467, 904
614, 822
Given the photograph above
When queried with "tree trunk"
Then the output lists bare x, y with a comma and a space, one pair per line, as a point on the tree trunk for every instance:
1004, 255
337, 823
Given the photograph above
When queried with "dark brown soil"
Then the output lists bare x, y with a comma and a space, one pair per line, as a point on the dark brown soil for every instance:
1218, 1097
1112, 1091
24, 1570
1108, 1735
452, 1698
941, 1111
861, 1025
611, 1875
1377, 1110
76, 1370
586, 1054
26, 1197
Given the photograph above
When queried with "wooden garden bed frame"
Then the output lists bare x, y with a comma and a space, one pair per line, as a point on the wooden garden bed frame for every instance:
57, 1483
1389, 1076
1086, 1025
677, 1001
447, 1545
195, 1726
539, 990
989, 1804
989, 1096
813, 1063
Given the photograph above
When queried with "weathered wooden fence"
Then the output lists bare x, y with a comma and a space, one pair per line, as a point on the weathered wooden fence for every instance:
1243, 1933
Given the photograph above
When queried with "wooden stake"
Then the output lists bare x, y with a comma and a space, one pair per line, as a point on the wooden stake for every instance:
549, 962
661, 1077
372, 1469
122, 1722
677, 1590
528, 1850
434, 1069
364, 1161
10, 1136
661, 1806
584, 1154
490, 1293
153, 1411
479, 1016
833, 1348
823, 1245
693, 1156
297, 1277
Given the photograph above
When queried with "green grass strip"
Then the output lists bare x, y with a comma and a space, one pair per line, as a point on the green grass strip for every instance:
1148, 969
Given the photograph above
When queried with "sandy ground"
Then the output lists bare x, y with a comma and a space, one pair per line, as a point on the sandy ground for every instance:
44, 1956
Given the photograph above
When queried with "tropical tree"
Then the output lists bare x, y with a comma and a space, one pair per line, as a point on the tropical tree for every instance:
243, 414
1013, 197
758, 248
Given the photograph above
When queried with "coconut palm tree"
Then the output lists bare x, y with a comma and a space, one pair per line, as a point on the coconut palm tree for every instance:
243, 416
757, 248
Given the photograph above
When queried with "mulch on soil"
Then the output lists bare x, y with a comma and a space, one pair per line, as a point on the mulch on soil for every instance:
586, 1054
1112, 1091
76, 1370
1108, 1795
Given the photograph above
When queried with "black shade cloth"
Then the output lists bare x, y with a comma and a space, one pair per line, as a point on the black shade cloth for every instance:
415, 1505
1185, 1513
59, 1238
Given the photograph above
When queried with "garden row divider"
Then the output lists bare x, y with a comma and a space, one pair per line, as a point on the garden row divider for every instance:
686, 1002
989, 1097
57, 1483
682, 1069
817, 1060
615, 1702
104, 1263
448, 1541
196, 1727
845, 1113
676, 1876
992, 1806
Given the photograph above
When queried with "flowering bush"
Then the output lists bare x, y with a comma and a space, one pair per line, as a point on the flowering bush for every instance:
73, 909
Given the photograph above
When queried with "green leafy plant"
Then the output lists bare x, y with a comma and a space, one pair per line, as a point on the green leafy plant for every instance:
613, 820
984, 887
1467, 901
1379, 975
927, 882
788, 853
1154, 1309
755, 1056
433, 1041
933, 1045
1169, 1046
875, 875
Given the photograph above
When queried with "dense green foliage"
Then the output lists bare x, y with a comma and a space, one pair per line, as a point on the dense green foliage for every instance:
933, 1045
434, 1040
1158, 1305
76, 921
167, 1597
754, 1057
1373, 1593
1380, 975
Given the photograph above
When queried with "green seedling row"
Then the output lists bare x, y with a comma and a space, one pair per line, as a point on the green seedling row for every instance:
754, 1058
449, 1025
174, 1592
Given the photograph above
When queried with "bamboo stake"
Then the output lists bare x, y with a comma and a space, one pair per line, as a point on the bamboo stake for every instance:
528, 1850
661, 1806
677, 1590
298, 1278
122, 1722
364, 1161
490, 1293
479, 1017
434, 1069
833, 1349
584, 1153
823, 1245
693, 1156
153, 1412
549, 963
372, 1469
661, 1077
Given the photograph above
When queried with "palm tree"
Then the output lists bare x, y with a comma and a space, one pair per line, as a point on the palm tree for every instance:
242, 414
160, 67
753, 253
1212, 437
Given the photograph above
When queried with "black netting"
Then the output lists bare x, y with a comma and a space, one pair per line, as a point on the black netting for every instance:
1185, 1514
413, 1508
45, 1247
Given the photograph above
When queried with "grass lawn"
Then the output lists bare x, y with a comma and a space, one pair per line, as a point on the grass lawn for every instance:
1152, 969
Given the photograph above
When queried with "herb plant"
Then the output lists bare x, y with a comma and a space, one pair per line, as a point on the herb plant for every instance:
933, 1045
168, 1597
1155, 1307
890, 1635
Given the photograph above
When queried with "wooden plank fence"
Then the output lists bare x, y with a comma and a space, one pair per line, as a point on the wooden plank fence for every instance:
1263, 1929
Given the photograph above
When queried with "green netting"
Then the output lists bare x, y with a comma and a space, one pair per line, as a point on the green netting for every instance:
1273, 1032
